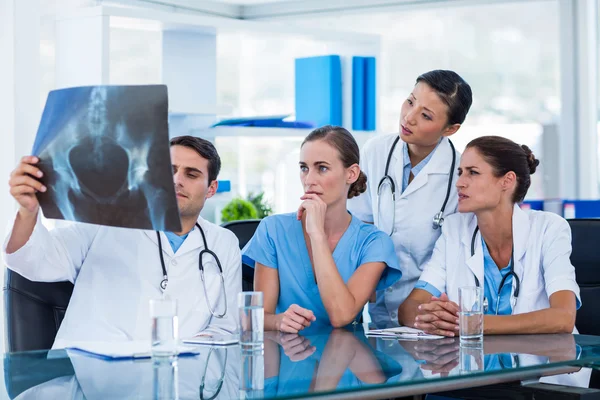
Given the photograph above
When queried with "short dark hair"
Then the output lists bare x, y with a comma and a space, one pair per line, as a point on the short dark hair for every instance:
453, 90
346, 145
504, 156
205, 149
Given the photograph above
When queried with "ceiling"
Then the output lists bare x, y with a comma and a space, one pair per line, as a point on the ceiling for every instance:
249, 2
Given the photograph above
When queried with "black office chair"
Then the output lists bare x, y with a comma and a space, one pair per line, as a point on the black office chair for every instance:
244, 230
34, 311
585, 257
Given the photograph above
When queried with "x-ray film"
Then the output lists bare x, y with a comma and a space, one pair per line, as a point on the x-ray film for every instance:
104, 151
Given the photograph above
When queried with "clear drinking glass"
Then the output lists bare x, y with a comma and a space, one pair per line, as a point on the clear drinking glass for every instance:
471, 359
165, 380
252, 375
252, 320
470, 302
165, 330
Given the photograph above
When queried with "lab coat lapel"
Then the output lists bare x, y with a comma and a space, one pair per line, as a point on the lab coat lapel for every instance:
475, 262
439, 164
166, 246
521, 228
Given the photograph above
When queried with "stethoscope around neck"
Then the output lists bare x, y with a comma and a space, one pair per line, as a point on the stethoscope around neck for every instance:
511, 272
438, 219
206, 250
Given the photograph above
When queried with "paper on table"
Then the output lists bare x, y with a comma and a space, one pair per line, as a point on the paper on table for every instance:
402, 332
213, 340
120, 350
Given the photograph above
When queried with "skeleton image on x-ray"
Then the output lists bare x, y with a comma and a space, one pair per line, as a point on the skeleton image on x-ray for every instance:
104, 151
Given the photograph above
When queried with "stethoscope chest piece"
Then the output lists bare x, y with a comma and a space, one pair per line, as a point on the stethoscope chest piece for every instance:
438, 220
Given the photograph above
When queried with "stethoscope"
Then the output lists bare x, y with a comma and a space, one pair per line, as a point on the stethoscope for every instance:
511, 272
165, 281
220, 385
438, 219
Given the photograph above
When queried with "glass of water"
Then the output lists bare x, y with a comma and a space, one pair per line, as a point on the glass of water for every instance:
470, 303
252, 320
252, 375
163, 313
471, 359
166, 379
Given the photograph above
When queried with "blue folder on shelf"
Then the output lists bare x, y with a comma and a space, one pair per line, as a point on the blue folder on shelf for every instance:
276, 121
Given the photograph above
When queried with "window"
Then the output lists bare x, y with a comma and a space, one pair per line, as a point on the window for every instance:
509, 54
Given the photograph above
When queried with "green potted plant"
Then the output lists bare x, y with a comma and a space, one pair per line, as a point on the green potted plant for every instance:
238, 209
263, 208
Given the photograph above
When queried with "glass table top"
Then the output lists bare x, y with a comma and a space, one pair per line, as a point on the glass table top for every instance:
324, 363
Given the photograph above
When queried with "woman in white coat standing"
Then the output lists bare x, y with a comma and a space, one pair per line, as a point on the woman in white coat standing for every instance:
411, 180
520, 258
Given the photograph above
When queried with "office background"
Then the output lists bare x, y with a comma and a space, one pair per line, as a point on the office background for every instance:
533, 66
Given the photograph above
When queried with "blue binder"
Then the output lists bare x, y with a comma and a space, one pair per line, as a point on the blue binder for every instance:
318, 85
370, 94
358, 93
364, 92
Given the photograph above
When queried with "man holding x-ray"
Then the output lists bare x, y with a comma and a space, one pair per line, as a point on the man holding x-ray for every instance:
116, 271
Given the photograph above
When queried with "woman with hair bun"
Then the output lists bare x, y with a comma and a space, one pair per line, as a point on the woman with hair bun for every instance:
321, 264
520, 258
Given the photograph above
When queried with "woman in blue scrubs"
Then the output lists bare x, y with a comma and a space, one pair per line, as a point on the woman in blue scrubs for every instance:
321, 264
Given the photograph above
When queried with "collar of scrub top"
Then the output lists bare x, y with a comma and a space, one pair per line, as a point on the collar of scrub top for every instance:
205, 250
438, 218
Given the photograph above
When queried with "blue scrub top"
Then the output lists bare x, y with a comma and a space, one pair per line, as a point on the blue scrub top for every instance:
279, 243
492, 277
175, 240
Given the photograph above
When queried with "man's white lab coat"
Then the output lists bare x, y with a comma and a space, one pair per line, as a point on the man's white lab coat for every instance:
116, 271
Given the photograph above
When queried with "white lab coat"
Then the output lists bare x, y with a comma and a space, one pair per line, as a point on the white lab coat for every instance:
542, 249
414, 235
116, 271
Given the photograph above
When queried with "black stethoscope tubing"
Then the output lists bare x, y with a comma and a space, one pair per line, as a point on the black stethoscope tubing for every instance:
206, 250
438, 219
510, 273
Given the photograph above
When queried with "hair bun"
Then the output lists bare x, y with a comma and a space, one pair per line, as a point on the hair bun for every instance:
359, 186
531, 160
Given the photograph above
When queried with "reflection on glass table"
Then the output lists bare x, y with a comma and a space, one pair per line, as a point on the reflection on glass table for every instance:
325, 361
446, 357
214, 374
328, 363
